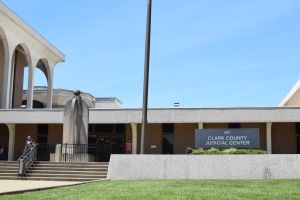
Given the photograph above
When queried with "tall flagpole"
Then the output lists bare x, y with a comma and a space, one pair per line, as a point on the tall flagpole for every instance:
146, 77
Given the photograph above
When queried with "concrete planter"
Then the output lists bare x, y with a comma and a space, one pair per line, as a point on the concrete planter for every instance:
139, 167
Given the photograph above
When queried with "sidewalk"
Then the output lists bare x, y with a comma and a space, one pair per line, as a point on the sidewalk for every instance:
15, 186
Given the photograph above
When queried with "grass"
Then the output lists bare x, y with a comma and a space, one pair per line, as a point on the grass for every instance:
171, 189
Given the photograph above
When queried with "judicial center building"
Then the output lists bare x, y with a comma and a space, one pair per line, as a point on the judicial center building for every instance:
39, 111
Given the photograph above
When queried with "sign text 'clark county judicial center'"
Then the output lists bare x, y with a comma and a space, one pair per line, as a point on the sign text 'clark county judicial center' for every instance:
227, 138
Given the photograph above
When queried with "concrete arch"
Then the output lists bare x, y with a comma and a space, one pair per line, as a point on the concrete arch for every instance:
43, 65
4, 57
23, 47
21, 58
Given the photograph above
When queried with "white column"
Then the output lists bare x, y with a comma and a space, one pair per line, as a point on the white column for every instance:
11, 79
50, 89
7, 83
11, 143
200, 125
30, 87
269, 137
134, 138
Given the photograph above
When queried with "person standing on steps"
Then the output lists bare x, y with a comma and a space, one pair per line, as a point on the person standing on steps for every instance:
28, 143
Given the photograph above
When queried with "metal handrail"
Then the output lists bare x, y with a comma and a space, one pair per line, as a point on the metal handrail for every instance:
27, 160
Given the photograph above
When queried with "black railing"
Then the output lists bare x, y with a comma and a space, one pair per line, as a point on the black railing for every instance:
78, 153
85, 153
27, 160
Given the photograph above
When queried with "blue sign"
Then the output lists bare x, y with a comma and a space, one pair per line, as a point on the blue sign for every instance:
247, 138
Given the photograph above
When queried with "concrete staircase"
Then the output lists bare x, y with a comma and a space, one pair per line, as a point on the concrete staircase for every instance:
51, 171
9, 170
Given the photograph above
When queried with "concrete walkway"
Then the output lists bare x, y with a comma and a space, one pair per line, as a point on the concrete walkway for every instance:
15, 186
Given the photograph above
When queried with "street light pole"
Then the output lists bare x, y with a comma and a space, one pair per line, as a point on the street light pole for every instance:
146, 77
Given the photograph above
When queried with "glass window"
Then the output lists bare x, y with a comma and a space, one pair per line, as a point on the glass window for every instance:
298, 128
234, 125
104, 128
120, 128
91, 128
167, 128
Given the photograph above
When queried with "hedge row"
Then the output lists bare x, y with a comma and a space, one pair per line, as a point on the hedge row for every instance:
215, 151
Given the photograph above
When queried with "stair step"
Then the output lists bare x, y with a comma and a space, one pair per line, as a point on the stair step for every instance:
67, 172
74, 163
57, 171
8, 167
52, 179
71, 166
74, 166
8, 171
70, 169
8, 162
63, 179
9, 177
9, 174
67, 175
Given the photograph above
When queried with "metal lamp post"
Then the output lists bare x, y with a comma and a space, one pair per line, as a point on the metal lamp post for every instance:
146, 77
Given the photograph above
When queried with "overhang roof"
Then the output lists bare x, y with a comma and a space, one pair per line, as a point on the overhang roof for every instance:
14, 17
172, 115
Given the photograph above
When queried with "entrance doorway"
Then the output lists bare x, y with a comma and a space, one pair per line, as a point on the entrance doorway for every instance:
4, 137
108, 139
168, 138
298, 136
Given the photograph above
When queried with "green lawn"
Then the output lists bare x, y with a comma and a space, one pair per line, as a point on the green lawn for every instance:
143, 190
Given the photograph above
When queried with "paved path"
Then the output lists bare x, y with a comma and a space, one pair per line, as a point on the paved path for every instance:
11, 186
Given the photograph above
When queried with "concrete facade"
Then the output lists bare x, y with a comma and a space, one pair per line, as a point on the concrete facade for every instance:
183, 133
282, 137
22, 47
184, 116
142, 167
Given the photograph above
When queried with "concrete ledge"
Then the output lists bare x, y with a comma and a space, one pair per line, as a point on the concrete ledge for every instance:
139, 167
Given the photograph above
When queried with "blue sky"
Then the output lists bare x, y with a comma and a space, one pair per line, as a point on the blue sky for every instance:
207, 53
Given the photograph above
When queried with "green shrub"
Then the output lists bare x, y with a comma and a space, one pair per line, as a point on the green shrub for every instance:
215, 151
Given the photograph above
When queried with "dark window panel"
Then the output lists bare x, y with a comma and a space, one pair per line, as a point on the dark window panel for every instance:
91, 128
234, 125
298, 128
42, 128
120, 128
104, 128
167, 128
